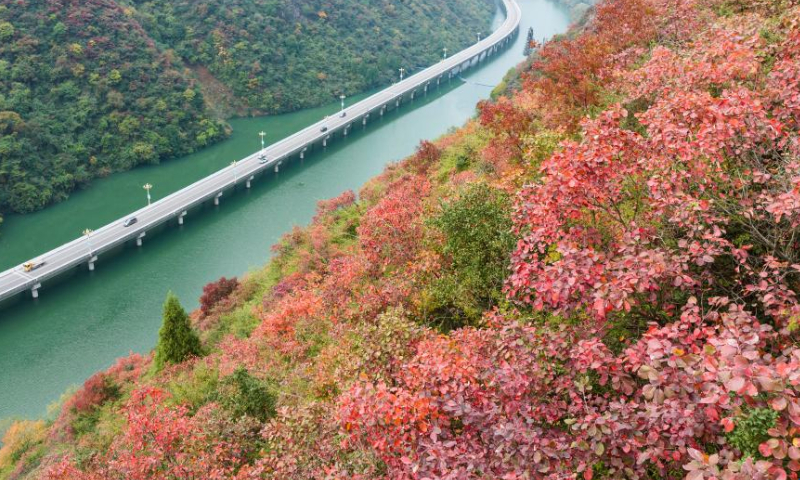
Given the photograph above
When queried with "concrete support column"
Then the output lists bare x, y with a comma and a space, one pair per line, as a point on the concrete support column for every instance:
364, 120
383, 110
346, 130
277, 166
91, 262
397, 103
216, 198
249, 179
35, 290
303, 153
180, 217
325, 141
139, 239
413, 94
438, 80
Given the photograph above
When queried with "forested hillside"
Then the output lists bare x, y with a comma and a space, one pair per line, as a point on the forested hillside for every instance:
89, 88
597, 278
280, 55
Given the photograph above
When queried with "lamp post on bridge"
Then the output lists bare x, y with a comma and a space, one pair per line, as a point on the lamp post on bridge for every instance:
479, 37
233, 164
88, 233
445, 54
262, 133
402, 72
342, 97
147, 187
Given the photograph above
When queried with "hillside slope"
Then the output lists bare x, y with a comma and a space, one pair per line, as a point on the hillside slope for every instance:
89, 88
595, 279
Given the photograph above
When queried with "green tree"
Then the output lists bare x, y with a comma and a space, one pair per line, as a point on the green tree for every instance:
243, 394
6, 30
177, 341
477, 244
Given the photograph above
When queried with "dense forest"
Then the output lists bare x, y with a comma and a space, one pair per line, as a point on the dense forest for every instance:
92, 87
281, 55
596, 278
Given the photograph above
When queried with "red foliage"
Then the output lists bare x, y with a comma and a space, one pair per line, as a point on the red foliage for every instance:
507, 122
325, 207
390, 231
161, 442
427, 154
215, 292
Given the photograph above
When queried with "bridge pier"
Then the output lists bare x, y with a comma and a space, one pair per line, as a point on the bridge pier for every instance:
35, 290
413, 94
249, 179
397, 103
180, 217
92, 259
216, 199
364, 120
139, 239
438, 80
383, 110
277, 166
325, 141
303, 153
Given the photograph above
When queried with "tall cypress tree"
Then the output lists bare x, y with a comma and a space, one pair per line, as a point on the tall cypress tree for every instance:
176, 338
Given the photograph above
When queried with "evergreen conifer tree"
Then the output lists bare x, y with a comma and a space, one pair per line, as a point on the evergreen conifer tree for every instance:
176, 338
529, 43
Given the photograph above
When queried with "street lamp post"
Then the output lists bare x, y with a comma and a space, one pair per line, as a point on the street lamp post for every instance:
233, 164
402, 72
342, 97
479, 37
147, 187
88, 233
445, 53
262, 133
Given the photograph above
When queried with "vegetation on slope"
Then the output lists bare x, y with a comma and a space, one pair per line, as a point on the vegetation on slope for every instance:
282, 55
89, 88
646, 328
84, 92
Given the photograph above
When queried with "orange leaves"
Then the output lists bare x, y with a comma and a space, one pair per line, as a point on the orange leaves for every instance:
390, 231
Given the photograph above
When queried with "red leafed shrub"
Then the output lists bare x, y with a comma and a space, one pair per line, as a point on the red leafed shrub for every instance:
390, 231
621, 219
104, 386
531, 402
163, 442
508, 123
324, 207
426, 155
215, 292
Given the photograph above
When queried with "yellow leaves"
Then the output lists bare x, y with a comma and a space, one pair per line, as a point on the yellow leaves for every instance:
322, 15
20, 437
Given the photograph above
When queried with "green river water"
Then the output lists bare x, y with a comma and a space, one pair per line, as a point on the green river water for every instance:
82, 323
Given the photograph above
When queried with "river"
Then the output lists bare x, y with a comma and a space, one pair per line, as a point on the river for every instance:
83, 323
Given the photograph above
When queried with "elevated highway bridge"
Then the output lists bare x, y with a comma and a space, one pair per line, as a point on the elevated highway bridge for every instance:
173, 208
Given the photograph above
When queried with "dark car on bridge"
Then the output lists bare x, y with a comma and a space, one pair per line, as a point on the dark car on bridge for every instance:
323, 129
130, 221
